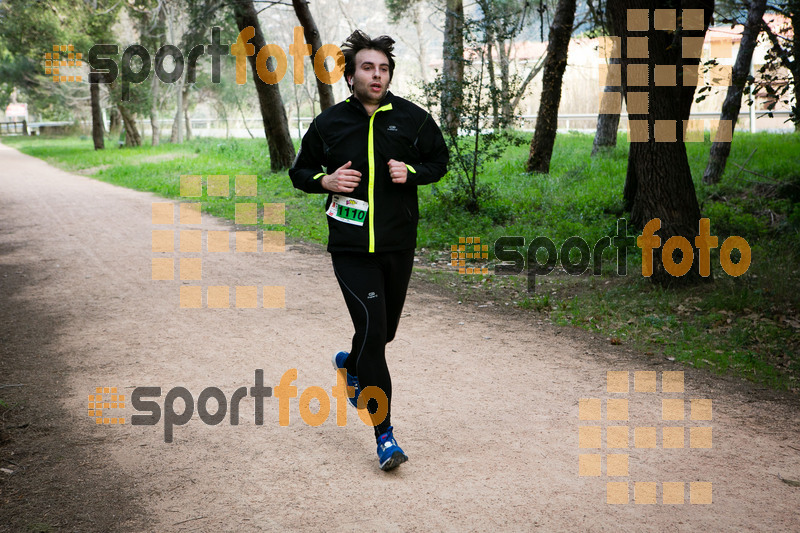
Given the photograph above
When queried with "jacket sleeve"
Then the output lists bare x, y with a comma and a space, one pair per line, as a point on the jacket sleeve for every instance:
434, 155
307, 171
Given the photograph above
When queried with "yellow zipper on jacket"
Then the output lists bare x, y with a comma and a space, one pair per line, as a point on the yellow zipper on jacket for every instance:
371, 188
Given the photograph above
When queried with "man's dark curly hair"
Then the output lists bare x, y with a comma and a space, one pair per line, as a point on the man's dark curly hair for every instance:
358, 41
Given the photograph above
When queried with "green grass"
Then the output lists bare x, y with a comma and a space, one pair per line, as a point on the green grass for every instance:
747, 326
158, 170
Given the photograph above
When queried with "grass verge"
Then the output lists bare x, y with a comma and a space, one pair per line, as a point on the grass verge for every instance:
747, 326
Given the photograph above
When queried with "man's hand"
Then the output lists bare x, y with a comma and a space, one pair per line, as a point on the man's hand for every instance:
397, 171
344, 179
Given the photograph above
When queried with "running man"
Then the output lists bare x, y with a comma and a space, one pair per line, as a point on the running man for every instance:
369, 154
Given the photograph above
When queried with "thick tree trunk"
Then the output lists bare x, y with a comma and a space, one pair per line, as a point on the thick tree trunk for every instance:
659, 181
97, 116
453, 65
312, 36
605, 136
544, 135
276, 125
733, 99
132, 137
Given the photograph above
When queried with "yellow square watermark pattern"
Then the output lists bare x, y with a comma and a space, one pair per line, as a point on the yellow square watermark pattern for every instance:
189, 213
191, 241
191, 186
672, 492
246, 185
469, 248
608, 429
589, 464
163, 213
589, 409
104, 404
642, 75
182, 261
617, 437
672, 437
63, 55
617, 465
247, 297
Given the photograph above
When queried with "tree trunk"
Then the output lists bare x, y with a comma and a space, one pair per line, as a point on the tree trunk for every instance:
114, 122
453, 65
97, 116
733, 99
132, 137
605, 136
222, 113
505, 83
177, 126
312, 36
154, 111
186, 117
659, 181
181, 129
273, 113
494, 94
794, 16
152, 30
173, 137
420, 29
544, 135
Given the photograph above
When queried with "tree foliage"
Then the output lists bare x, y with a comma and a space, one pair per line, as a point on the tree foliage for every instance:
30, 29
780, 73
475, 142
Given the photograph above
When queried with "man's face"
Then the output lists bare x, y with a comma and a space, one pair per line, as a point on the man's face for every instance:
371, 79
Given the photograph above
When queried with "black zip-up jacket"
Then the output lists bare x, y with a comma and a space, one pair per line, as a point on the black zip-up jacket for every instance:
398, 130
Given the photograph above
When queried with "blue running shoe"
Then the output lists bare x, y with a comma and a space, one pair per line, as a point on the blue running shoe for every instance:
352, 381
390, 455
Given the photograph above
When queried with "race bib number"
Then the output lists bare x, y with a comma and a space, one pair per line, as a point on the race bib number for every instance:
348, 210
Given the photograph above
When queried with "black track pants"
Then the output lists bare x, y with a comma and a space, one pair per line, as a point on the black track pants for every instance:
374, 288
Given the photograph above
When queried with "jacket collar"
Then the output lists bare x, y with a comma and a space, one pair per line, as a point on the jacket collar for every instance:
355, 102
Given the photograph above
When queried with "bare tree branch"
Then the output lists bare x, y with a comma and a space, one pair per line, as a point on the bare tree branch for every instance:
532, 74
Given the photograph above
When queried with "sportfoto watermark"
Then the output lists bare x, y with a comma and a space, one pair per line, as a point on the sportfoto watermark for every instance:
106, 70
141, 399
505, 249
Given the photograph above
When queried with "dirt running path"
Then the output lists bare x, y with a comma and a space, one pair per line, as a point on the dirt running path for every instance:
486, 405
